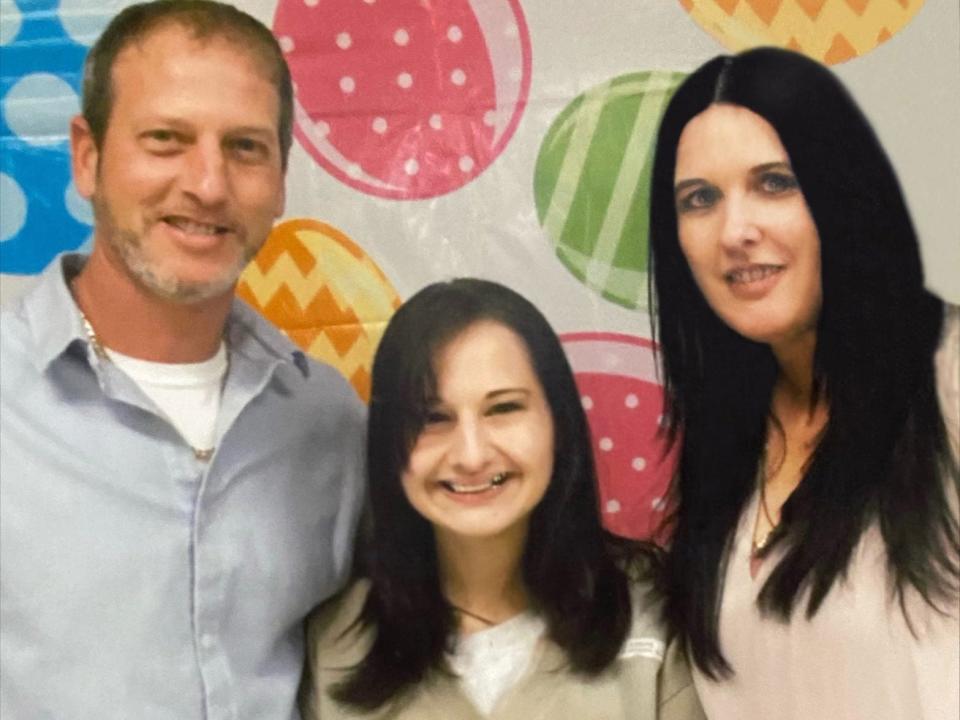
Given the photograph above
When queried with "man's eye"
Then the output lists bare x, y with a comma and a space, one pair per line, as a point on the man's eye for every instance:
160, 138
248, 148
702, 197
778, 182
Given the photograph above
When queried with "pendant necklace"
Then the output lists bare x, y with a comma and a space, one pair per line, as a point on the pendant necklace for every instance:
759, 543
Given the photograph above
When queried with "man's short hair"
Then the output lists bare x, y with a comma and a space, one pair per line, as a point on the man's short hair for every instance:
206, 19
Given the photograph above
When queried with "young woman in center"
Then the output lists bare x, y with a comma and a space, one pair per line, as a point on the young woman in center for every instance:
813, 390
492, 591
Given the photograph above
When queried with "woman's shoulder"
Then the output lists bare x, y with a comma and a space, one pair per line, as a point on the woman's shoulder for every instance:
648, 644
334, 627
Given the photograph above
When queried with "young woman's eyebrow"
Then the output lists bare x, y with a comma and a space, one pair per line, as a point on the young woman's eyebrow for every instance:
507, 391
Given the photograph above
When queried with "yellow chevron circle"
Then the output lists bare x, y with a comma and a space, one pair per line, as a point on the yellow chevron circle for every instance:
325, 293
831, 31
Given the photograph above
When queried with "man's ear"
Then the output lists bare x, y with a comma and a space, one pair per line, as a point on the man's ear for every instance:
84, 157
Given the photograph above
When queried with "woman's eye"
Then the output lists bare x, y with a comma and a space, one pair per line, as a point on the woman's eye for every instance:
698, 199
435, 417
776, 182
502, 408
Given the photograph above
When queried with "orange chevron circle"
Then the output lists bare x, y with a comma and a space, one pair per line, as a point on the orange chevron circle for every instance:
831, 31
325, 293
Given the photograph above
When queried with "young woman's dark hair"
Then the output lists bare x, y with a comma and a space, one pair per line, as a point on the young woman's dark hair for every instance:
576, 573
883, 455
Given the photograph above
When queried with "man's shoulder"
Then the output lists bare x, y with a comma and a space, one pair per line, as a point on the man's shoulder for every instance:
18, 339
39, 320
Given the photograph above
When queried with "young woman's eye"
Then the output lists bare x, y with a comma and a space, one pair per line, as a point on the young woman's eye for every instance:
502, 408
435, 417
778, 182
698, 199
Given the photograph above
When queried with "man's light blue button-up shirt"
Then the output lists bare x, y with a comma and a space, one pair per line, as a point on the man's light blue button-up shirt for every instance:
135, 580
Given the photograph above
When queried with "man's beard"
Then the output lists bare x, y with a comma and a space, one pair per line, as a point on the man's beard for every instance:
127, 245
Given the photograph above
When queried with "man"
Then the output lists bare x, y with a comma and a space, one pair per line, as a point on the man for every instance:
179, 484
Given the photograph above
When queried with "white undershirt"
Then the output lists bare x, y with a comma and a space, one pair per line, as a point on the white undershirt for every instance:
187, 393
491, 661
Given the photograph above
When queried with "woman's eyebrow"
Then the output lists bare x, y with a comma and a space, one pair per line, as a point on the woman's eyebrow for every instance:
777, 165
507, 391
684, 184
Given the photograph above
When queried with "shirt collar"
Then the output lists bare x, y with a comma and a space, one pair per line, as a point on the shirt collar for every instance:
56, 323
51, 311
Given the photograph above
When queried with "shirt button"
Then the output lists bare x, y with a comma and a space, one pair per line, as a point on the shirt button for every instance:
206, 640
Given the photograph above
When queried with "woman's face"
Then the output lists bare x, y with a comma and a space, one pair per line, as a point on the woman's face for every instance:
745, 228
484, 459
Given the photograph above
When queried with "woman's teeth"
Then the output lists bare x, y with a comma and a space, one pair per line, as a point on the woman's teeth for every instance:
496, 481
752, 273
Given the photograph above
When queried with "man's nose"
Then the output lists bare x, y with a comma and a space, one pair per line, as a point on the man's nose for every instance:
204, 174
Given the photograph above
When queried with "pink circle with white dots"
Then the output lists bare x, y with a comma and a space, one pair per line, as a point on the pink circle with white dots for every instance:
404, 99
623, 399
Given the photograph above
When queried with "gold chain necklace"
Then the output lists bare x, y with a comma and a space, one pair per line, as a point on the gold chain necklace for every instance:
204, 454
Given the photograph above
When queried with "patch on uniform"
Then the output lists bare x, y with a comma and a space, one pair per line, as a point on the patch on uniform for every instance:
643, 647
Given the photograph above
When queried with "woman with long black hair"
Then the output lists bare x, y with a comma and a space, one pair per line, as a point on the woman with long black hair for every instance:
812, 385
491, 589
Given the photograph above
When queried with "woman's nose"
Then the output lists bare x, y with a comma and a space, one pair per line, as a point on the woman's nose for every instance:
470, 450
740, 224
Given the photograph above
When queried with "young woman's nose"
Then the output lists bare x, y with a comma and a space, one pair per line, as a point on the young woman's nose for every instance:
470, 449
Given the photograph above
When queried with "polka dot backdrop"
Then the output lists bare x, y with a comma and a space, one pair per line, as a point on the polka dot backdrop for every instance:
402, 99
508, 139
623, 399
42, 47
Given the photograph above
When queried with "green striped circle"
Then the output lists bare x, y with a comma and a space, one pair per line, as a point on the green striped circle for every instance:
592, 179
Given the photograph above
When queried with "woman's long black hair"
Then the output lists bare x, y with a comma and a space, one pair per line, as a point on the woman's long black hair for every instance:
884, 454
575, 573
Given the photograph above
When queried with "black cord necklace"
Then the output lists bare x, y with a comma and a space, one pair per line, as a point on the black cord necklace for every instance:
462, 611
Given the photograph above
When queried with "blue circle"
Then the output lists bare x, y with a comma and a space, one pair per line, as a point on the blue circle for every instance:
84, 21
10, 21
78, 207
42, 69
14, 204
38, 108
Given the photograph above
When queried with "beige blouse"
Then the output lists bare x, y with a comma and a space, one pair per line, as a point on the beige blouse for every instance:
856, 658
